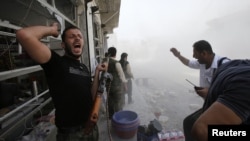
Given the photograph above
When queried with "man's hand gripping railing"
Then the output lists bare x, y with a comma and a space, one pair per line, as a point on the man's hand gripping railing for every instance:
95, 111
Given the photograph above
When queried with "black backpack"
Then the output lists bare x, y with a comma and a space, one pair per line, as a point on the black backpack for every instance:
225, 72
237, 63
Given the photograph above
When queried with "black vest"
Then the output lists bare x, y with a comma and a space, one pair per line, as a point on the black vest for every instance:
112, 70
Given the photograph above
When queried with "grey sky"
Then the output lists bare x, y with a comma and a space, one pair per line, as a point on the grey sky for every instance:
148, 29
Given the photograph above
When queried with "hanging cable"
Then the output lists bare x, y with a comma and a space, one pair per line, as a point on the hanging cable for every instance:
107, 112
27, 13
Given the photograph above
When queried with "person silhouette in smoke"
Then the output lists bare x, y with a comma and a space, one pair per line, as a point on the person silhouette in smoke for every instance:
118, 84
128, 74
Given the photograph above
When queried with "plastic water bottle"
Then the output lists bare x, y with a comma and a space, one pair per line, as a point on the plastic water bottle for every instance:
180, 135
176, 135
171, 135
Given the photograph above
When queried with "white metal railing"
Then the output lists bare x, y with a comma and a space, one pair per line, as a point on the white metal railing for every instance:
23, 105
17, 72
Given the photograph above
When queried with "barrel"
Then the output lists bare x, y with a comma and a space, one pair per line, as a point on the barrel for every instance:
125, 124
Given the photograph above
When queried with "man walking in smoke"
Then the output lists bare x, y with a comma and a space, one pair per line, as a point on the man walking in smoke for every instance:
128, 74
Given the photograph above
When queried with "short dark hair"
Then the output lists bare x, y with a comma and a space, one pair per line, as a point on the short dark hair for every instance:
124, 55
112, 51
203, 45
66, 29
106, 54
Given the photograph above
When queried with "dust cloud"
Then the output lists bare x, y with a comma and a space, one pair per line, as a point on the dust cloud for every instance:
147, 30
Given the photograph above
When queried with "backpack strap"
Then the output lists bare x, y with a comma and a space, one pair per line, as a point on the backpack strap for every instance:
221, 60
219, 63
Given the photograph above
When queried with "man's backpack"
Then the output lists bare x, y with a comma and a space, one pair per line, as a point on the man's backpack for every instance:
240, 64
227, 75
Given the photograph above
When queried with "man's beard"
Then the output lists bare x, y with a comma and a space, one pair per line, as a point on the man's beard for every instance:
69, 53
